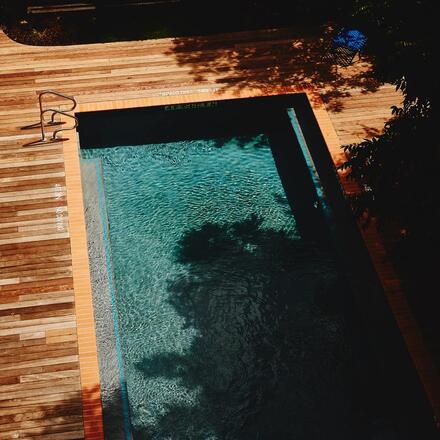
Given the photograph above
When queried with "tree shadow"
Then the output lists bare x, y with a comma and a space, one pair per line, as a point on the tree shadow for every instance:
273, 58
75, 418
62, 418
272, 356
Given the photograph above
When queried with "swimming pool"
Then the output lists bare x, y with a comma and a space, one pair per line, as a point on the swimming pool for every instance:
233, 316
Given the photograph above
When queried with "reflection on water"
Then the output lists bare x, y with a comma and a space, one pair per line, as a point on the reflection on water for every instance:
233, 325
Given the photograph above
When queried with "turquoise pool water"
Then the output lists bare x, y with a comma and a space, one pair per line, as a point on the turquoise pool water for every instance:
234, 321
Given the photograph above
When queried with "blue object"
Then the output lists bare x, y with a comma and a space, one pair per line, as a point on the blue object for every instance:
351, 38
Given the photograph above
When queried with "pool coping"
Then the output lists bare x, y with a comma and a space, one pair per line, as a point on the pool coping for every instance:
89, 369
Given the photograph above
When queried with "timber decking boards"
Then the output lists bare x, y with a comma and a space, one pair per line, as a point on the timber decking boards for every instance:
49, 383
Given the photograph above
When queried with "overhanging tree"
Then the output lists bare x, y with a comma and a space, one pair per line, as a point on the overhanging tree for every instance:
399, 169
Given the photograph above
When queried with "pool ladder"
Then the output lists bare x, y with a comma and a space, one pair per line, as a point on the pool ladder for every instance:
52, 122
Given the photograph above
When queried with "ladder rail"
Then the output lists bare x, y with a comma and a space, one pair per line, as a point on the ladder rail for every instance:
42, 123
59, 130
52, 122
61, 95
54, 137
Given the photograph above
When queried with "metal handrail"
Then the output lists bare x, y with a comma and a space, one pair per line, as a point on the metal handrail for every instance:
52, 122
61, 95
54, 138
54, 134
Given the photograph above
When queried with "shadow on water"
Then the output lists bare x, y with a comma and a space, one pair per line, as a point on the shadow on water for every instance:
298, 186
272, 358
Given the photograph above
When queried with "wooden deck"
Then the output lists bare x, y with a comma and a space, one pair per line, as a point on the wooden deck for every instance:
49, 382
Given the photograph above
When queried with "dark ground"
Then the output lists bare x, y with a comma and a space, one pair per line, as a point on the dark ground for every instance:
139, 23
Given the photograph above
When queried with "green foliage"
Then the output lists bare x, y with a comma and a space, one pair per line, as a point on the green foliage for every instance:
399, 169
402, 37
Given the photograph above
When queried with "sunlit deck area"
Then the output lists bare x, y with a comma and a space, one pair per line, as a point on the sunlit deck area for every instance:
49, 379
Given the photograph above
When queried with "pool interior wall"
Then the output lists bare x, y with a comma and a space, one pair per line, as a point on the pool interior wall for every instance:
395, 398
115, 415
